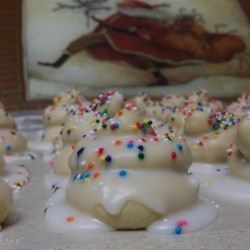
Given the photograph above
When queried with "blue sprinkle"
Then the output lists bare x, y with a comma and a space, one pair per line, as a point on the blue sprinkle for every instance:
87, 175
178, 230
140, 147
108, 158
79, 151
81, 176
180, 147
116, 125
123, 173
7, 147
130, 145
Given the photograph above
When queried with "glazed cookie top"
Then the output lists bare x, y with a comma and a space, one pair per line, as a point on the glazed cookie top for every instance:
108, 102
241, 107
55, 115
243, 137
129, 142
76, 126
72, 96
212, 146
6, 120
11, 142
202, 99
173, 101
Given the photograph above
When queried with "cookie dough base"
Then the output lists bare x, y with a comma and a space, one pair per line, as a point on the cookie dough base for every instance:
133, 216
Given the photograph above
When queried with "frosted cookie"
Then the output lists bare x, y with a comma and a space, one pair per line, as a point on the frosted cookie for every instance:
74, 128
13, 147
239, 154
6, 120
126, 177
5, 201
210, 135
173, 101
15, 176
241, 107
231, 185
54, 115
53, 118
72, 96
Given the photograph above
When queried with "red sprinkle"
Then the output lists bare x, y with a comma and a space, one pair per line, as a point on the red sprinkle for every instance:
100, 151
173, 155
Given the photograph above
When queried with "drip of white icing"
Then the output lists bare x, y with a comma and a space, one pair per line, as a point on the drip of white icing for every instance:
188, 220
40, 145
53, 180
217, 183
61, 216
113, 191
20, 157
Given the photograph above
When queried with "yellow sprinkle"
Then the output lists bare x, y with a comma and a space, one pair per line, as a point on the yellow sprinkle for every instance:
134, 127
85, 180
102, 159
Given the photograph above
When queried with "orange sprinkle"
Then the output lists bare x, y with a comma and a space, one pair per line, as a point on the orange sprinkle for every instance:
73, 146
90, 165
118, 142
70, 219
96, 175
119, 112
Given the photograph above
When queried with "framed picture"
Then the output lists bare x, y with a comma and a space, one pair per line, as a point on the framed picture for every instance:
157, 46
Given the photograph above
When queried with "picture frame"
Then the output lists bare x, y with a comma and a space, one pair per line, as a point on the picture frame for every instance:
14, 82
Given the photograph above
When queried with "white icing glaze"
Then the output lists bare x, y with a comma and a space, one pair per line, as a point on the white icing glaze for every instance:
112, 191
53, 181
189, 220
20, 158
51, 134
218, 184
62, 217
72, 96
54, 115
40, 145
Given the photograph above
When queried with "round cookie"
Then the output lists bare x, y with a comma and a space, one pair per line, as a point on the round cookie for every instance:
239, 154
11, 142
6, 120
5, 200
209, 142
51, 134
73, 96
54, 115
123, 144
241, 107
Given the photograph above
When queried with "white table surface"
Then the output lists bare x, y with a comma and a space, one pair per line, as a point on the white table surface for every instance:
30, 231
